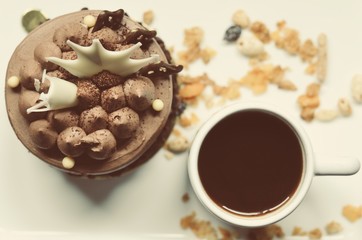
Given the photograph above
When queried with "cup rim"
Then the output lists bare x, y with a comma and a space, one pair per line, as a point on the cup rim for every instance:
251, 221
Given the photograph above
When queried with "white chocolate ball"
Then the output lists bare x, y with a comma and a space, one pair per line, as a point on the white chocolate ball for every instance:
89, 21
68, 162
13, 81
158, 105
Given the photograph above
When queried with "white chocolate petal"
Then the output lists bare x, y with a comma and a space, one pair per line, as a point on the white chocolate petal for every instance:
95, 58
62, 94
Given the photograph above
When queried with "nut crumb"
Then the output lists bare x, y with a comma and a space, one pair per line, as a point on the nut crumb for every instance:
333, 228
148, 17
261, 31
201, 228
352, 213
266, 233
315, 234
298, 231
185, 197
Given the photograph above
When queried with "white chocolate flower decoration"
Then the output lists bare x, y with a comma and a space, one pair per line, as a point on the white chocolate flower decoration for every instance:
95, 58
61, 94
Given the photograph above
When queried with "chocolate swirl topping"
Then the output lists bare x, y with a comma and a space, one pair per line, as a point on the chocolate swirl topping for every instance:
109, 19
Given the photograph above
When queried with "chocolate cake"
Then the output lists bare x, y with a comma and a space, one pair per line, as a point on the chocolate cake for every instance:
97, 93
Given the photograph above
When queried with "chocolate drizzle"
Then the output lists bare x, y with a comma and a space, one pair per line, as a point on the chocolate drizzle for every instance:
109, 19
143, 36
160, 69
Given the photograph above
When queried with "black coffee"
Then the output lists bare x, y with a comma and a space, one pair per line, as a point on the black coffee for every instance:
251, 162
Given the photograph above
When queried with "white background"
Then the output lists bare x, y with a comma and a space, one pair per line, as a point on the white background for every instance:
38, 202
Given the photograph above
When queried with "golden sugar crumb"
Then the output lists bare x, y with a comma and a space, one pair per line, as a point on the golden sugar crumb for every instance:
352, 213
148, 17
315, 234
261, 31
333, 227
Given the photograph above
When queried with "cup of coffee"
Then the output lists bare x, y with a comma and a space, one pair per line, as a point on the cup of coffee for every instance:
251, 164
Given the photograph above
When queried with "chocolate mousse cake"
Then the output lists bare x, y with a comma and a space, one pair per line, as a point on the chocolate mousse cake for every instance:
97, 93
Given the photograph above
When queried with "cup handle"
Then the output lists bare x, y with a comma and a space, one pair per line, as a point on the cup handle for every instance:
332, 165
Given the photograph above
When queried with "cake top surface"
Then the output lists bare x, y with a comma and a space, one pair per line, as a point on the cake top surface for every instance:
87, 91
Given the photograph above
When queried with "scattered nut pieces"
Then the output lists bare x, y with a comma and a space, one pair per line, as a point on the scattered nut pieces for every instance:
68, 162
286, 38
344, 107
201, 228
313, 90
356, 88
326, 115
309, 101
352, 213
241, 19
89, 21
168, 155
193, 38
13, 81
333, 228
308, 51
191, 90
148, 17
287, 85
260, 31
178, 144
315, 234
322, 58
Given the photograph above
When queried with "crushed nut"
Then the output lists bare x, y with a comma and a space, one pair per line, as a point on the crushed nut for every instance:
287, 85
308, 51
148, 17
241, 19
344, 107
260, 31
315, 234
187, 121
201, 228
326, 115
333, 228
313, 90
298, 231
322, 57
249, 45
191, 90
356, 87
307, 114
352, 213
178, 144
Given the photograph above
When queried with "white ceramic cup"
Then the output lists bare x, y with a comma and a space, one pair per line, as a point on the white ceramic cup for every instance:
313, 165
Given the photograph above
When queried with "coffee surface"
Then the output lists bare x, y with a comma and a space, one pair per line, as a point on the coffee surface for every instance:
251, 162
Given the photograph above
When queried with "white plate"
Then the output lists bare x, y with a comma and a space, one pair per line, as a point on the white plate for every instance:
38, 202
